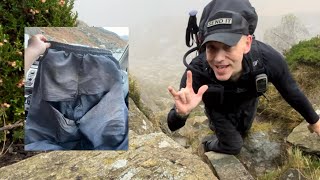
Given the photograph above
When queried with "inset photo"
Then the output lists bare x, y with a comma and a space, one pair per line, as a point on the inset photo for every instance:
76, 88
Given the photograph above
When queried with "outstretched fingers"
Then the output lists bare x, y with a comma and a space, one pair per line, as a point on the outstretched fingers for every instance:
202, 90
172, 91
181, 95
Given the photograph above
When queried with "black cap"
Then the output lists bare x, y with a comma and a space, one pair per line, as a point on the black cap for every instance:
226, 27
242, 7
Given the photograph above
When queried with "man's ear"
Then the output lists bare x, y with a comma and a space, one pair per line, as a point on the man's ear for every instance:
248, 42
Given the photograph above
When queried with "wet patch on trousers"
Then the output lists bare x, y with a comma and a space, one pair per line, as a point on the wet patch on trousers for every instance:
78, 101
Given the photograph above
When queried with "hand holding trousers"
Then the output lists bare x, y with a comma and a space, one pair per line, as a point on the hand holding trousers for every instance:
78, 101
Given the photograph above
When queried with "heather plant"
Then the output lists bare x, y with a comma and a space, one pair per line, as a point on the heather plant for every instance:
14, 17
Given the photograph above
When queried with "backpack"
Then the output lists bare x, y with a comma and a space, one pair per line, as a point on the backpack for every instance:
198, 33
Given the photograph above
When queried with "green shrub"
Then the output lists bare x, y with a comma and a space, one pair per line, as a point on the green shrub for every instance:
305, 52
135, 95
14, 17
134, 92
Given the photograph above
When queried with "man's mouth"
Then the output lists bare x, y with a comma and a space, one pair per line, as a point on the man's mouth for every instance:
221, 66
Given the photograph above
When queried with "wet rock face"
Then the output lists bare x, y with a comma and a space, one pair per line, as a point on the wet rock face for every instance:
192, 133
151, 156
306, 141
259, 153
138, 122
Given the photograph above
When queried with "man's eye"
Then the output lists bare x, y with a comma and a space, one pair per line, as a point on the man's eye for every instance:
211, 48
227, 48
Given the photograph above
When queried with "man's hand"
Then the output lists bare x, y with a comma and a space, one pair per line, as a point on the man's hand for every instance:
38, 44
36, 47
186, 99
315, 127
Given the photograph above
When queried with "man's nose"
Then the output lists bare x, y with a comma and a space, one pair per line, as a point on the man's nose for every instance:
220, 55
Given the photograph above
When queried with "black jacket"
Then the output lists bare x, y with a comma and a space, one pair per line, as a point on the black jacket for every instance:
226, 96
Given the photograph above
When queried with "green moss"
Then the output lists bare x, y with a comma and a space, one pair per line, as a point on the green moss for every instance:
262, 126
109, 161
196, 113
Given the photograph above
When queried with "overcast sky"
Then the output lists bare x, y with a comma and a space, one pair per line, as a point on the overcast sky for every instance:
157, 31
121, 31
126, 12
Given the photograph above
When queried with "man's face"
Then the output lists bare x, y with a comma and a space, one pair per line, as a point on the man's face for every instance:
226, 61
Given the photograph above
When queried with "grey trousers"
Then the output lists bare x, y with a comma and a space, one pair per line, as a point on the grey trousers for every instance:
230, 127
78, 101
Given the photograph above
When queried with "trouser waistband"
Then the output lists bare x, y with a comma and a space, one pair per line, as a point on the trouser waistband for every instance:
78, 49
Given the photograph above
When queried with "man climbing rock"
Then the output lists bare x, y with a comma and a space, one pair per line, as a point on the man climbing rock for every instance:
230, 73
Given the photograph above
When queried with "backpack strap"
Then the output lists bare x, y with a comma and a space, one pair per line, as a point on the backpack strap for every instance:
255, 63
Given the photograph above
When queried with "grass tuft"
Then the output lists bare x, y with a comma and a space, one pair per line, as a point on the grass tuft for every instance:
307, 165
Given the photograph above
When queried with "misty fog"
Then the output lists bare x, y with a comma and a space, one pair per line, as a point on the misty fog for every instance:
157, 34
